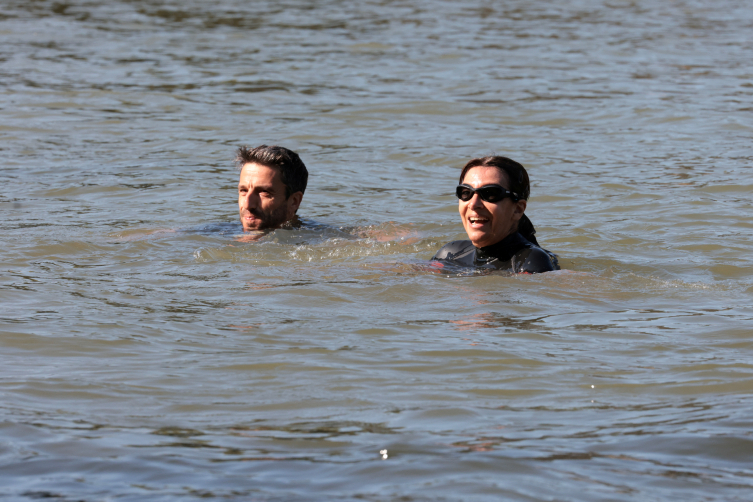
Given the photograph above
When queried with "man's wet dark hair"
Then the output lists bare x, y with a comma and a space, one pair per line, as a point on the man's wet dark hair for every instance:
519, 184
292, 170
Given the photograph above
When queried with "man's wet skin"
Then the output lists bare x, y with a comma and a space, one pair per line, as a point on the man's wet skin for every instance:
261, 198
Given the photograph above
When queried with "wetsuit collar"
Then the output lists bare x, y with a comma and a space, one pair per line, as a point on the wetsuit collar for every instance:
504, 249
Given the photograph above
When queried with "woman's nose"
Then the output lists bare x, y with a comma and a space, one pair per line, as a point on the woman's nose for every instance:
476, 201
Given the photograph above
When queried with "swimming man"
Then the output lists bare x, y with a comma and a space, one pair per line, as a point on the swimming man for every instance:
272, 182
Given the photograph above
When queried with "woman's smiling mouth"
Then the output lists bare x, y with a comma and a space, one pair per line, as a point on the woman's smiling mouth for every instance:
477, 221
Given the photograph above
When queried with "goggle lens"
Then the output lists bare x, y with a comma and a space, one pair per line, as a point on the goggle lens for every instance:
487, 193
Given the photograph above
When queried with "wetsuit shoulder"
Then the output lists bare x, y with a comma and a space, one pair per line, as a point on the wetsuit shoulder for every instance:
534, 260
454, 251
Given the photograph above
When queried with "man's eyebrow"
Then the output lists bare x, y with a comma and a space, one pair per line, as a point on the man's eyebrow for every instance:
266, 188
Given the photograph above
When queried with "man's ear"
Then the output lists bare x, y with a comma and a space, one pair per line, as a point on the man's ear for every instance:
294, 202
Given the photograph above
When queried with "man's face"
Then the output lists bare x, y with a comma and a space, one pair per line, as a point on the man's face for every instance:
261, 198
487, 223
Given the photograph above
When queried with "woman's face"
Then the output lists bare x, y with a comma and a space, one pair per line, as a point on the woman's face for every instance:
487, 223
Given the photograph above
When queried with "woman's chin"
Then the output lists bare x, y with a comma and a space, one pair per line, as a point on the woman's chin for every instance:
480, 241
484, 239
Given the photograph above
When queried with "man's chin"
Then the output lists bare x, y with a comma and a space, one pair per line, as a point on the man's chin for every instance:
259, 224
253, 225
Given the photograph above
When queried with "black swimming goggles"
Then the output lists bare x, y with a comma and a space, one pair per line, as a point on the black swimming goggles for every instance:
487, 193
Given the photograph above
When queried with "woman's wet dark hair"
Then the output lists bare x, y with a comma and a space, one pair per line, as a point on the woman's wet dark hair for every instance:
519, 184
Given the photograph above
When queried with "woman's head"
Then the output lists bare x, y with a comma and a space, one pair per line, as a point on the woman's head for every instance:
516, 173
489, 221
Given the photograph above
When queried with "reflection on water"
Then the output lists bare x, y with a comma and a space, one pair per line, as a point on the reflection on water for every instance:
493, 320
150, 349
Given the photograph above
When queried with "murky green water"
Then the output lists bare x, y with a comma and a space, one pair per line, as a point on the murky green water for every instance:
147, 354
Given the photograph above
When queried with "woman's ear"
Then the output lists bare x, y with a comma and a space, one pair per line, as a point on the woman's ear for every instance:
520, 208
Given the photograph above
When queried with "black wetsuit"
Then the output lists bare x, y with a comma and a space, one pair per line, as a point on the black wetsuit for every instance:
514, 253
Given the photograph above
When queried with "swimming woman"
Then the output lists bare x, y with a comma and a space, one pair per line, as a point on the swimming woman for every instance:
492, 198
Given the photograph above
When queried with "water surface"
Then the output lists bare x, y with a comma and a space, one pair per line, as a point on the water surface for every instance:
148, 353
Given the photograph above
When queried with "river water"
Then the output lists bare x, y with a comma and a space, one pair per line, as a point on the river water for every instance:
149, 353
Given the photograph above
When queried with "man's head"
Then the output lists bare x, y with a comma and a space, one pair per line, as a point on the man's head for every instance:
272, 182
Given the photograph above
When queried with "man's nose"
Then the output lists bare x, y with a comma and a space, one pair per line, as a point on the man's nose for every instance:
251, 200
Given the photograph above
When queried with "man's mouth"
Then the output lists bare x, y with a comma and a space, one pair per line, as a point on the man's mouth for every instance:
251, 220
